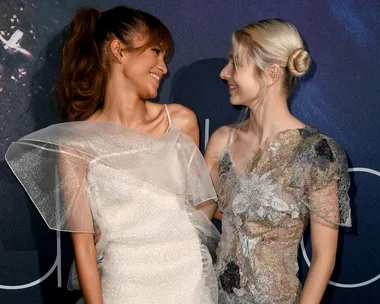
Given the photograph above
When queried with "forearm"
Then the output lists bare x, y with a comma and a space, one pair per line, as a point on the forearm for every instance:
88, 275
218, 215
317, 279
208, 207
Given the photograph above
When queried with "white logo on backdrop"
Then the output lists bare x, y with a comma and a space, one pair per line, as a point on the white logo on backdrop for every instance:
57, 263
354, 285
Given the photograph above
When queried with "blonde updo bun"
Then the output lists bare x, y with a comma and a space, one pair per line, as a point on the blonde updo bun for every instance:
299, 62
272, 42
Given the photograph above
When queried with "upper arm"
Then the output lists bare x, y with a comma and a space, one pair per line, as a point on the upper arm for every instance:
328, 185
324, 237
186, 120
72, 169
324, 214
83, 243
215, 146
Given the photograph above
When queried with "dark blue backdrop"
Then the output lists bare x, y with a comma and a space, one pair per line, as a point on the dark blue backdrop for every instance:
340, 97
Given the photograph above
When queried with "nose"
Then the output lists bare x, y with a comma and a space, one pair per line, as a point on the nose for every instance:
162, 66
225, 73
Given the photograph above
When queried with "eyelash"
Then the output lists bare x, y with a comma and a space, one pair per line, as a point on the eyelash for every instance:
157, 51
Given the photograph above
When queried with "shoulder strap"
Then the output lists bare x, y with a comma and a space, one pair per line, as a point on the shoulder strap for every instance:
229, 138
168, 116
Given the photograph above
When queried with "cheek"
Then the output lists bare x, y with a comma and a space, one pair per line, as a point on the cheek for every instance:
244, 82
251, 82
135, 70
249, 89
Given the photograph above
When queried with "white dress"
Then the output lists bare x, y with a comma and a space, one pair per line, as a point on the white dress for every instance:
140, 191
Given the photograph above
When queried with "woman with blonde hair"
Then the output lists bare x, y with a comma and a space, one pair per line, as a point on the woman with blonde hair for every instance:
272, 174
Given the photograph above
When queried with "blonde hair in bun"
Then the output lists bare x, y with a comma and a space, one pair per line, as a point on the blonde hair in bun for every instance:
299, 62
272, 41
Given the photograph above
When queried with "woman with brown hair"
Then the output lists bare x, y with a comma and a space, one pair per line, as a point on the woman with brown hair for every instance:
123, 166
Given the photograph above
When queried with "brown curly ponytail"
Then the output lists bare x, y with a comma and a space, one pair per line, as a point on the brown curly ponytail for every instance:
81, 85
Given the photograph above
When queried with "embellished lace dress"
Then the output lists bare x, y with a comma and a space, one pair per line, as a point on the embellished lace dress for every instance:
141, 192
266, 208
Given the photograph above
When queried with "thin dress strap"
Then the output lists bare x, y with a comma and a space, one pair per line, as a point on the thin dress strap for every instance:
168, 116
227, 148
229, 139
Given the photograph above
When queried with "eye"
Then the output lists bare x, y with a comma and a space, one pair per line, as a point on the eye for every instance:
156, 50
234, 64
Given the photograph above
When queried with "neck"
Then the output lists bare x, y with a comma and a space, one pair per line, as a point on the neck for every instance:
270, 116
121, 105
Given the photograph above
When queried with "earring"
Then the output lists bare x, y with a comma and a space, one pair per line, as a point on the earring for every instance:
276, 74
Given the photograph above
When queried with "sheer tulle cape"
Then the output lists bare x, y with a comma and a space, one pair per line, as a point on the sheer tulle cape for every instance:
52, 165
56, 167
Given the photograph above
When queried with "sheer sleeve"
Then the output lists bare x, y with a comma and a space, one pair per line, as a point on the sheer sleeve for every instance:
198, 188
53, 165
54, 177
327, 183
198, 184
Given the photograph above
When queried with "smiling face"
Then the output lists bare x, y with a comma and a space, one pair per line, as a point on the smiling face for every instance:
244, 83
143, 71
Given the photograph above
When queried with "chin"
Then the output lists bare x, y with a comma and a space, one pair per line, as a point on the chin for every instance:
150, 95
239, 101
234, 102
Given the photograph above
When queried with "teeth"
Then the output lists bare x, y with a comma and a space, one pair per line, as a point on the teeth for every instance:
155, 76
231, 87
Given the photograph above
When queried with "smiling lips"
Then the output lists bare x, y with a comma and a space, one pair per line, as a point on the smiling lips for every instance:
155, 76
232, 87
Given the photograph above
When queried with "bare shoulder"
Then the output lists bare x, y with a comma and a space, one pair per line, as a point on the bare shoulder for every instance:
182, 117
218, 140
221, 134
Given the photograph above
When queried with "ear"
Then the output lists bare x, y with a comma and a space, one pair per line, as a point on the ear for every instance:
274, 73
117, 50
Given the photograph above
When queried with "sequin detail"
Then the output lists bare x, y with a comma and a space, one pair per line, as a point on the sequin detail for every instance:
265, 211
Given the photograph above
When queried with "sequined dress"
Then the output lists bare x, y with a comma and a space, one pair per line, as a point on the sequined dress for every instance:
141, 193
266, 208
